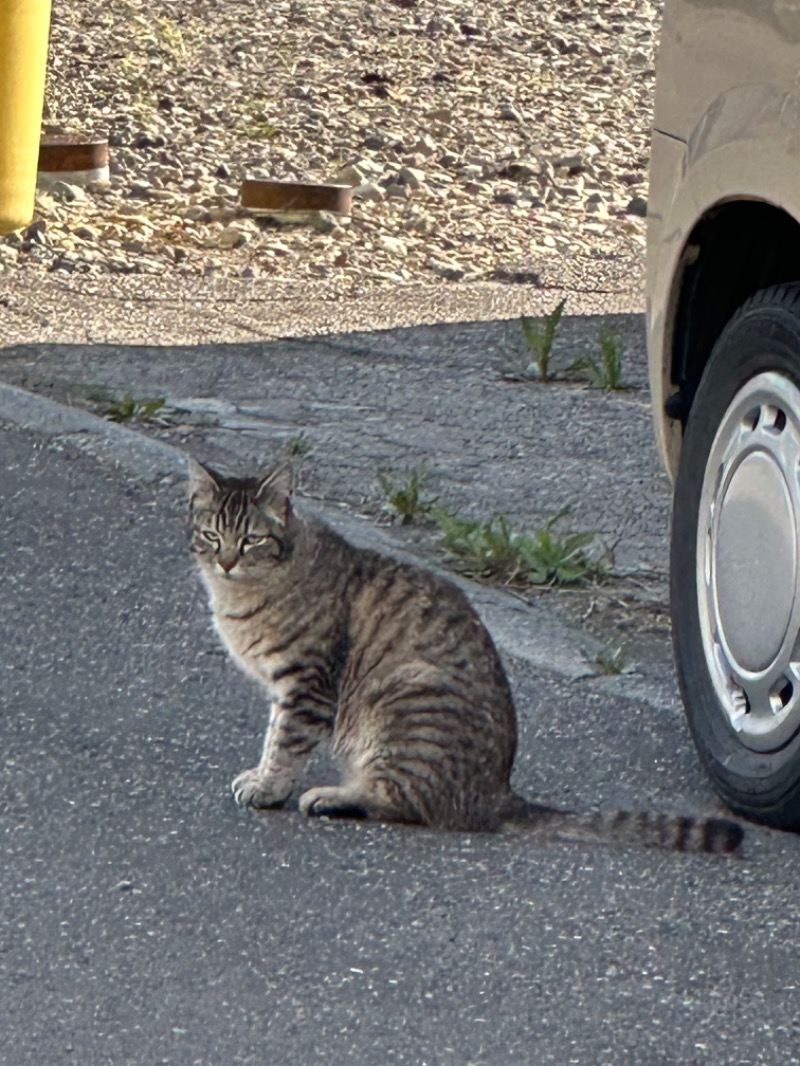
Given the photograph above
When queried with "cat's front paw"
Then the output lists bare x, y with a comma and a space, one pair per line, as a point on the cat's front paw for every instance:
252, 789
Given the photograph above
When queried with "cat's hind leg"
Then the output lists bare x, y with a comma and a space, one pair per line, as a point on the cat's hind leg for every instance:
334, 801
364, 797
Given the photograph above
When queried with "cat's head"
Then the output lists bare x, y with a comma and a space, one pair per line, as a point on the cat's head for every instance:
241, 527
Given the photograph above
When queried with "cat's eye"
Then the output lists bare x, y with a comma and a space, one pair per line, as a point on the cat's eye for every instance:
211, 536
252, 540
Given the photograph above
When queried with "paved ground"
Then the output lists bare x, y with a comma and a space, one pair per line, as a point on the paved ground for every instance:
436, 398
143, 918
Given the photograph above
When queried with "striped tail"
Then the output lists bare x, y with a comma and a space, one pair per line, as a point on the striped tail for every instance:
699, 835
702, 835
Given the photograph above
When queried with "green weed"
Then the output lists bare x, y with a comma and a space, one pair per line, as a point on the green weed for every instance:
260, 127
128, 408
539, 334
298, 446
492, 550
611, 661
405, 502
606, 374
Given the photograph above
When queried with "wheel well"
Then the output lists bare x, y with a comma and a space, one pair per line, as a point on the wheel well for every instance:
735, 250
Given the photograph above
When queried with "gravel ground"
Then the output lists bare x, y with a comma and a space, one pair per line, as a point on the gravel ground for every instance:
497, 155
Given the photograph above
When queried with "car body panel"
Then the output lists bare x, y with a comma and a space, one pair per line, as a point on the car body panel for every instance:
710, 46
722, 132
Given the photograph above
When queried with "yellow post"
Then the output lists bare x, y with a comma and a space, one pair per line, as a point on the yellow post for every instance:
24, 28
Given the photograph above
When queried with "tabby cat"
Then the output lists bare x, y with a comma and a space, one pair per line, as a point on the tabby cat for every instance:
385, 661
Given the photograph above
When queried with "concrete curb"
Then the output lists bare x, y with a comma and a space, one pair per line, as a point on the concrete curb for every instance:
137, 454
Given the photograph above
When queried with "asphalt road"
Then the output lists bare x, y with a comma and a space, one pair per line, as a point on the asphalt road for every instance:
145, 919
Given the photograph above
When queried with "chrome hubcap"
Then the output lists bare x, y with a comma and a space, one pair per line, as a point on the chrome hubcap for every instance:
747, 562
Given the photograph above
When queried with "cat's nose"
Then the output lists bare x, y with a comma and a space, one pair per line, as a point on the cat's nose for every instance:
226, 562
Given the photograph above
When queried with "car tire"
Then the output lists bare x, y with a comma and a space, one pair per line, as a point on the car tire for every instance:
735, 561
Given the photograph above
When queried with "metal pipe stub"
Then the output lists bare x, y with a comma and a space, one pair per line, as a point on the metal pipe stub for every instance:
267, 196
72, 158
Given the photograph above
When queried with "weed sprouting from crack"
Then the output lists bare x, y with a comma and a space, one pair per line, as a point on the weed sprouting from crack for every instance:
611, 661
298, 446
405, 502
539, 334
126, 408
605, 374
492, 550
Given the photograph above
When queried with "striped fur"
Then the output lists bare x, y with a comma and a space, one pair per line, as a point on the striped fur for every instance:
385, 662
708, 835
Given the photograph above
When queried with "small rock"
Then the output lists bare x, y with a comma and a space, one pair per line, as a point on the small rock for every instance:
232, 237
392, 245
375, 142
509, 113
118, 265
63, 262
139, 190
573, 162
368, 191
35, 231
410, 176
444, 268
395, 191
352, 174
197, 214
120, 137
323, 221
426, 146
148, 140
472, 171
505, 196
521, 172
67, 193
164, 196
86, 233
637, 206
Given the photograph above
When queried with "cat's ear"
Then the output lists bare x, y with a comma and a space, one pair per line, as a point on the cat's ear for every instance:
275, 492
202, 479
277, 483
